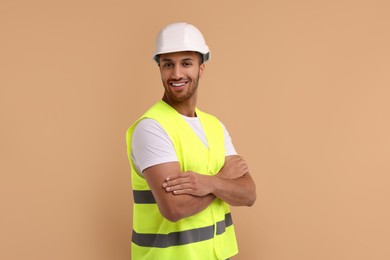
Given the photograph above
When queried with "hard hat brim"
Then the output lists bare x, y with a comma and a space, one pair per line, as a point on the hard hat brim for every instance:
206, 54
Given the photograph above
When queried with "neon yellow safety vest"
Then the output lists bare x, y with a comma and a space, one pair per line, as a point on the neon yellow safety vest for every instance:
208, 234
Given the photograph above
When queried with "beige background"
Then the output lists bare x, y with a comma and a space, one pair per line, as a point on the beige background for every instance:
303, 87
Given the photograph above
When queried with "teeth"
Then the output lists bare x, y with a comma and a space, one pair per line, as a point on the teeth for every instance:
178, 84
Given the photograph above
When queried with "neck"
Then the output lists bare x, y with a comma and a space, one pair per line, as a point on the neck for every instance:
186, 108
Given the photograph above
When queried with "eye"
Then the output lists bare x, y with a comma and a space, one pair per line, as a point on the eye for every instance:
167, 65
187, 64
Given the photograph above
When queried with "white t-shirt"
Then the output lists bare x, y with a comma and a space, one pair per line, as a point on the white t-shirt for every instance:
151, 145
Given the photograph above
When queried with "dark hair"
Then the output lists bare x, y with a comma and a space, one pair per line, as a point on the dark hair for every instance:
201, 58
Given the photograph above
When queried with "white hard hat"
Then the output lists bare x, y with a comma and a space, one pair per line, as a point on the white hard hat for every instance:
177, 37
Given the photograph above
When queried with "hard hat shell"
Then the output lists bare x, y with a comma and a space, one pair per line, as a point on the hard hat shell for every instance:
177, 37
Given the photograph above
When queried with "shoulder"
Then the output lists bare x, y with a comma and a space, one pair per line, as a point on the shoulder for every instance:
145, 132
147, 127
147, 124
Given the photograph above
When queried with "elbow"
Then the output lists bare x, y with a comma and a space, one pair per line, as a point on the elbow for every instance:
252, 198
172, 215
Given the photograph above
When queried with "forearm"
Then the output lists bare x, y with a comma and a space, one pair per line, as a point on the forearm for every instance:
171, 206
239, 191
186, 205
236, 192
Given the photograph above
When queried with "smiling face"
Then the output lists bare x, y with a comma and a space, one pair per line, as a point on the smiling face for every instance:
180, 74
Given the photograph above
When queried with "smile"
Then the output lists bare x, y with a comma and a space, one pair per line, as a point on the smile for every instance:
178, 85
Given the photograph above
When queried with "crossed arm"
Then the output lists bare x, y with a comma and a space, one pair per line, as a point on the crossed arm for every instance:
183, 194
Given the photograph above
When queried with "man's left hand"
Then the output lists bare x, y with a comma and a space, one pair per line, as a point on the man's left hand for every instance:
189, 183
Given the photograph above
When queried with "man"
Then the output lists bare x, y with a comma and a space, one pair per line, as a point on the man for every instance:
185, 170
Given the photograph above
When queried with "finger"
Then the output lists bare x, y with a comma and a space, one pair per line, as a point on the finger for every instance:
175, 182
178, 187
169, 178
184, 191
174, 177
245, 170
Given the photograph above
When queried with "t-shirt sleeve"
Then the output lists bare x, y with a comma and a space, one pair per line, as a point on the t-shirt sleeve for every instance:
229, 147
151, 145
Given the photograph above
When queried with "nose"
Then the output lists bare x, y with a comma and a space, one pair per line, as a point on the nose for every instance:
177, 72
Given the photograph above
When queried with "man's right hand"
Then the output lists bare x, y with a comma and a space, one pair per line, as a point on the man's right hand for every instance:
235, 167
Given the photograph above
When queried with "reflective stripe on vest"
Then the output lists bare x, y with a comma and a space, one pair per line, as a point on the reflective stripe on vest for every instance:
175, 238
143, 197
183, 237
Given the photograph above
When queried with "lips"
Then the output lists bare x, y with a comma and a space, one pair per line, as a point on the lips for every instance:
178, 85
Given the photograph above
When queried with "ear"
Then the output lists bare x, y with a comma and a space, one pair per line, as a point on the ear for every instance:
201, 69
